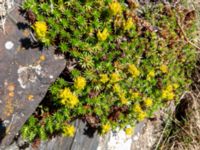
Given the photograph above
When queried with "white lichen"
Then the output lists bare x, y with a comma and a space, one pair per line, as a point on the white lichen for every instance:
117, 141
9, 45
28, 74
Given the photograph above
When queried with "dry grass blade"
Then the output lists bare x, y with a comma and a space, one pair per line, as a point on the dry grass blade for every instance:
182, 130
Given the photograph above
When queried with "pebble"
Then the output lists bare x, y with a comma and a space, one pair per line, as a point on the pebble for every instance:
9, 45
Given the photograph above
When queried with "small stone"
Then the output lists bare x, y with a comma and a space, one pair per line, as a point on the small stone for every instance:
51, 77
9, 45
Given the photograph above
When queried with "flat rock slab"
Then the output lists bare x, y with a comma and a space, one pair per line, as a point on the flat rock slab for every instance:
25, 75
81, 141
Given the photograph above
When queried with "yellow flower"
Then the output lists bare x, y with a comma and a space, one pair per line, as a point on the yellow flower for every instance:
150, 75
164, 68
65, 93
102, 36
133, 70
40, 28
128, 24
68, 130
104, 78
135, 95
169, 88
68, 98
171, 96
141, 116
175, 85
115, 8
116, 88
123, 99
148, 102
129, 131
137, 108
164, 94
168, 93
105, 128
80, 83
115, 77
73, 101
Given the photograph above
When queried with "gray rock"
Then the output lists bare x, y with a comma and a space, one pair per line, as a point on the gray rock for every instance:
25, 75
81, 141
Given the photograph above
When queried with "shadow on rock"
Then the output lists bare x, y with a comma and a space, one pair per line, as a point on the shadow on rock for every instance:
27, 43
2, 130
90, 131
23, 26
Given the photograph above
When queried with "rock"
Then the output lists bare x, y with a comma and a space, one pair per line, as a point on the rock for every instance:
81, 141
25, 75
119, 140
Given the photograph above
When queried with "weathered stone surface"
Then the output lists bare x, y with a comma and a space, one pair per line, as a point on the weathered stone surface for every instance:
25, 75
83, 140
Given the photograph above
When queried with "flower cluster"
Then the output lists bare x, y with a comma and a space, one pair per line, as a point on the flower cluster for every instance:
115, 77
68, 130
137, 108
129, 131
80, 83
128, 24
115, 7
123, 98
150, 75
164, 68
133, 70
117, 88
102, 36
135, 95
104, 78
40, 28
68, 98
140, 114
168, 93
148, 102
105, 128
